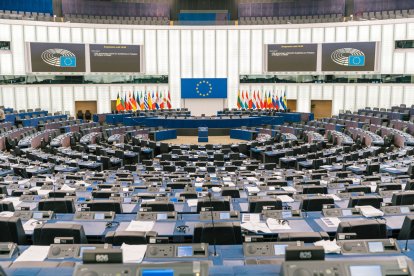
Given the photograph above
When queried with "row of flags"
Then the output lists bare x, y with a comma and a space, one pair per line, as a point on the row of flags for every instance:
261, 100
143, 101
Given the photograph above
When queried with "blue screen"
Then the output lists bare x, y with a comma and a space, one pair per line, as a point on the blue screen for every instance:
224, 215
157, 272
184, 251
83, 248
99, 216
365, 270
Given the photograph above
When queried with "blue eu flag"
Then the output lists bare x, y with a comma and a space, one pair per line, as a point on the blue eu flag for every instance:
67, 61
356, 60
203, 88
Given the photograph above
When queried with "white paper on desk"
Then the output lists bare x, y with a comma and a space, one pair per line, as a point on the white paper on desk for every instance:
285, 198
199, 179
369, 211
225, 179
67, 188
331, 221
6, 214
256, 227
329, 247
192, 202
82, 183
31, 224
34, 253
133, 253
33, 189
43, 192
251, 217
230, 184
24, 181
106, 190
288, 189
335, 197
216, 189
15, 200
140, 225
253, 189
274, 225
148, 200
250, 178
198, 184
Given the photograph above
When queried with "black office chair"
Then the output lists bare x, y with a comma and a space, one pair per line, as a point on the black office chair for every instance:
217, 204
57, 205
372, 168
189, 195
403, 198
307, 237
315, 204
6, 206
61, 194
79, 115
159, 206
406, 231
117, 238
102, 194
256, 205
364, 229
231, 192
223, 233
45, 234
105, 206
280, 183
88, 115
374, 201
12, 230
358, 188
315, 190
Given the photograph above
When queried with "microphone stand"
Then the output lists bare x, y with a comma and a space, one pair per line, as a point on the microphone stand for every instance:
214, 227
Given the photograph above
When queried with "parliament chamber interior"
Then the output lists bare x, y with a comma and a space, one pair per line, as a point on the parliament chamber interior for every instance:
207, 137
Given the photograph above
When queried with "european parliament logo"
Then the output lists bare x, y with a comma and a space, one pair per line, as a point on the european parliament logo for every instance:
203, 88
59, 58
348, 57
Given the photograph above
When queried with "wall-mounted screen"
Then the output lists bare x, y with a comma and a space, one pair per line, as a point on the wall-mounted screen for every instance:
5, 46
354, 56
57, 57
115, 58
291, 57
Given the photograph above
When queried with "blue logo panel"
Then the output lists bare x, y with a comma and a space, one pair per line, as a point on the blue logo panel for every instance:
356, 60
67, 61
203, 88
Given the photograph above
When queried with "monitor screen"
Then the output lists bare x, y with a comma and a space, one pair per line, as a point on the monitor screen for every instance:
365, 270
174, 199
405, 209
99, 216
286, 214
37, 215
346, 212
184, 251
83, 248
81, 199
161, 216
225, 215
375, 247
127, 200
280, 249
157, 272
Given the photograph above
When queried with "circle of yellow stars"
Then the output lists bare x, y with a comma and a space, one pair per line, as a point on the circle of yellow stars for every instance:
205, 94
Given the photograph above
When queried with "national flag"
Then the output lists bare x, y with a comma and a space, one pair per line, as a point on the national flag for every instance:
277, 101
273, 100
126, 102
250, 101
123, 103
254, 100
264, 101
149, 101
153, 100
142, 102
169, 100
137, 100
239, 102
269, 101
132, 101
259, 100
146, 105
162, 100
157, 99
281, 103
285, 101
119, 105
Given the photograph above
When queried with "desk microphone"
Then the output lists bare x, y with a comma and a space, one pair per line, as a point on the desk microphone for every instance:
214, 227
408, 238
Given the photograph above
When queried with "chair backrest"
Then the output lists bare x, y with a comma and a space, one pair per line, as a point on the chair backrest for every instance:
256, 205
406, 232
307, 237
231, 192
105, 206
315, 190
117, 238
403, 198
315, 204
46, 233
12, 230
374, 201
159, 206
364, 229
217, 204
57, 205
223, 233
6, 206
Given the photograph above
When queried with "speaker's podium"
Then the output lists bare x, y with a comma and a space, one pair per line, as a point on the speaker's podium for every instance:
203, 134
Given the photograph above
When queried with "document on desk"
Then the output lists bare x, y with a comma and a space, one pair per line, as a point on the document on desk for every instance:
192, 202
331, 221
256, 227
34, 253
15, 200
335, 197
251, 217
67, 188
285, 198
368, 211
253, 189
24, 181
133, 253
330, 247
6, 214
31, 224
275, 225
216, 189
289, 189
140, 225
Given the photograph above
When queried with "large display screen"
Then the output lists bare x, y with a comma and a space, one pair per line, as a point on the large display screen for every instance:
115, 58
57, 57
291, 57
355, 56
